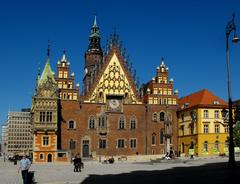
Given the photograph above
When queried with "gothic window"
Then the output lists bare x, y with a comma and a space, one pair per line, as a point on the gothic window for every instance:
91, 122
153, 139
102, 143
121, 122
72, 144
49, 117
102, 121
162, 116
133, 123
120, 143
133, 143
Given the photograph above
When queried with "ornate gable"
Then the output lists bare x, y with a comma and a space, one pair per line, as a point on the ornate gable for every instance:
113, 80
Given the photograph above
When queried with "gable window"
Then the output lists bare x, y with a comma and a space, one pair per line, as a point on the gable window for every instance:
133, 123
155, 117
71, 124
162, 116
205, 113
133, 143
121, 123
153, 139
92, 122
120, 143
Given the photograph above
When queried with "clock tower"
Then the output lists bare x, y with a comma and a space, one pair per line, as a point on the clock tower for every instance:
93, 57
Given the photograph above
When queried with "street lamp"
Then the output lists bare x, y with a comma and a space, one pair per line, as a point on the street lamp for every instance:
229, 28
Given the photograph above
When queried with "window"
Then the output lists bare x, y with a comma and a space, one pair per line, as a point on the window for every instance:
71, 124
102, 143
45, 141
133, 123
217, 128
216, 114
133, 143
205, 113
91, 122
153, 139
205, 146
161, 136
205, 128
162, 116
102, 121
226, 128
155, 117
120, 143
72, 144
49, 117
41, 156
121, 123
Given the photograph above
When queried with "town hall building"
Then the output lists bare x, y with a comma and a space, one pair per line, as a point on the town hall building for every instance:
112, 115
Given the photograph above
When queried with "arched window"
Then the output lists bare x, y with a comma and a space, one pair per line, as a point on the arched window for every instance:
133, 123
91, 122
154, 117
71, 124
41, 156
102, 121
121, 123
162, 116
153, 139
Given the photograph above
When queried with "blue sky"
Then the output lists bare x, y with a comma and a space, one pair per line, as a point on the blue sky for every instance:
189, 34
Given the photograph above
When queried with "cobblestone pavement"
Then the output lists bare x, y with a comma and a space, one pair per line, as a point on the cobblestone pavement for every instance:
62, 173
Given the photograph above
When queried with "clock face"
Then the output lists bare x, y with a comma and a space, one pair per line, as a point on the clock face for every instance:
114, 104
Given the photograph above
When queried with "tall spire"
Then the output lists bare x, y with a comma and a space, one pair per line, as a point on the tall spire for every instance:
95, 21
94, 37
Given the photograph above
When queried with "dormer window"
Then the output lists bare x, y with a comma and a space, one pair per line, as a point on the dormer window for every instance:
216, 102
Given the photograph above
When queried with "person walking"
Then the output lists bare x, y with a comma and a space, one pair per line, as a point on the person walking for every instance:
24, 166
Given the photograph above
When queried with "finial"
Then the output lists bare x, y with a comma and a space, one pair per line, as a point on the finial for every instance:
48, 50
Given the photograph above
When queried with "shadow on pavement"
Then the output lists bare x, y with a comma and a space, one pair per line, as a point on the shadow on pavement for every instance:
213, 173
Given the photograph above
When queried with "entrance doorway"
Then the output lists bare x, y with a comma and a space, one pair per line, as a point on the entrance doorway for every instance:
49, 158
85, 148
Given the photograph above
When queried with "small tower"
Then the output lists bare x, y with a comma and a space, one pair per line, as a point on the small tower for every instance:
45, 116
93, 57
65, 80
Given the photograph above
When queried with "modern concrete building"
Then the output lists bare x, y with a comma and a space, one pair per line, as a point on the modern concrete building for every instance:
19, 132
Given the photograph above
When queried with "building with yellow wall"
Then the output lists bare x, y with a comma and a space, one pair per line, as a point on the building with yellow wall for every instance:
200, 124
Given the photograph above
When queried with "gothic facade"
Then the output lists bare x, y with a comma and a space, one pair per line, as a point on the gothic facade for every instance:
113, 115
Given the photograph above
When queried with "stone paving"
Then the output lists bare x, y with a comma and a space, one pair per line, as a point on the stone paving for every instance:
62, 173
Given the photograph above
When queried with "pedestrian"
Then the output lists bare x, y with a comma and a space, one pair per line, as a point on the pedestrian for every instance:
24, 165
171, 154
75, 164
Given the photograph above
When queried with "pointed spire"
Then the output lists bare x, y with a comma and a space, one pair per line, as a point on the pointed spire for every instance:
162, 62
95, 21
64, 56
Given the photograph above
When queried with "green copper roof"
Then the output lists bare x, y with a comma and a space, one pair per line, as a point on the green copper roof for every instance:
47, 73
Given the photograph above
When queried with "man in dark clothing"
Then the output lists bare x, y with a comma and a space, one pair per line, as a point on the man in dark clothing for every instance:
77, 163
